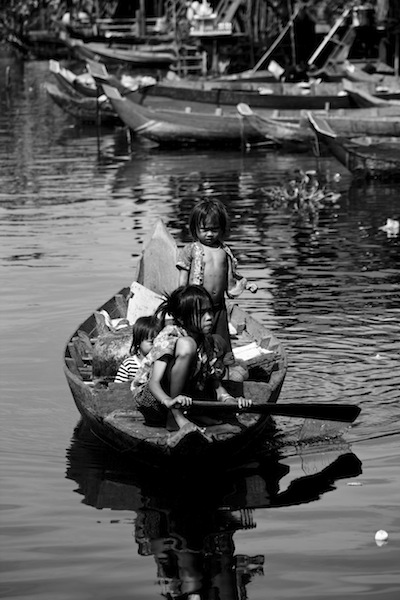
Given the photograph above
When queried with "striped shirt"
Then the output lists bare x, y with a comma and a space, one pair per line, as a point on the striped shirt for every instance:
128, 369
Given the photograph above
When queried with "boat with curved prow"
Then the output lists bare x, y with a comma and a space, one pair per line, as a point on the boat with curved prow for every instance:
364, 156
91, 360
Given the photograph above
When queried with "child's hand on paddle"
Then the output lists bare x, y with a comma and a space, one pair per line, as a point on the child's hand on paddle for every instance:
243, 402
179, 401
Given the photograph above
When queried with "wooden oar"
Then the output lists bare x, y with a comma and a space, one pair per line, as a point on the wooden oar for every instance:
347, 413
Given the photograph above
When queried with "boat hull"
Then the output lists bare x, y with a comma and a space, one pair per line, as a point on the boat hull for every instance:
116, 54
270, 96
179, 127
85, 109
107, 407
364, 157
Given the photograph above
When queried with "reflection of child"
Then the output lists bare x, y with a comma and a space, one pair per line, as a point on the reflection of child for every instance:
209, 262
144, 331
180, 363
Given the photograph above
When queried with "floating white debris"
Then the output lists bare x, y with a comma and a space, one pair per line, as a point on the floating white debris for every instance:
391, 228
381, 537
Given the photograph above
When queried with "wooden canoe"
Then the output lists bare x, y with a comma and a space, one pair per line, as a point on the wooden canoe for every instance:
364, 99
282, 132
381, 121
182, 127
38, 44
312, 95
80, 85
364, 157
106, 407
268, 96
139, 55
83, 108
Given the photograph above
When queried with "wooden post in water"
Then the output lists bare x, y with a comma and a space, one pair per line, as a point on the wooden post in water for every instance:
8, 77
142, 19
291, 32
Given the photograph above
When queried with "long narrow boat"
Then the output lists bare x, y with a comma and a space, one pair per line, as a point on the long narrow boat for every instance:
312, 95
38, 44
183, 127
364, 99
83, 108
282, 132
271, 96
80, 85
140, 55
364, 157
94, 353
384, 121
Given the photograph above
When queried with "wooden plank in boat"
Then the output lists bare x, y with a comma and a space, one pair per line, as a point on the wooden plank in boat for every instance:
71, 364
86, 342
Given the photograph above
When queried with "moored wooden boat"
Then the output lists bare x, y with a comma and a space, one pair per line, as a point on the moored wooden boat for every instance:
268, 96
364, 99
381, 121
38, 44
312, 95
382, 124
280, 131
183, 127
107, 407
83, 108
81, 85
139, 55
364, 157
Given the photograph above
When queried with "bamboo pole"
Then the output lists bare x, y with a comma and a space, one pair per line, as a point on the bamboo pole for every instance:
277, 41
329, 36
291, 32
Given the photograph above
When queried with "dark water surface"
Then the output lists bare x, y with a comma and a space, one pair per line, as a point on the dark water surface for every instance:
79, 523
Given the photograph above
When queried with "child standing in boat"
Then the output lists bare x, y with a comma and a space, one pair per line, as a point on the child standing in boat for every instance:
144, 330
181, 363
209, 262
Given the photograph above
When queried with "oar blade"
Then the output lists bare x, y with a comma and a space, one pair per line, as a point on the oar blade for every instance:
347, 413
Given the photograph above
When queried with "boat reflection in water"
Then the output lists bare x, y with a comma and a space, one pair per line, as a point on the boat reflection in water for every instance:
187, 522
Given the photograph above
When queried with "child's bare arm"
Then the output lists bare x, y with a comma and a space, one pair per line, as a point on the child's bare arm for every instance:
225, 396
156, 389
183, 277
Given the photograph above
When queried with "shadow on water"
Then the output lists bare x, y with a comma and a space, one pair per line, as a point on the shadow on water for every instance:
187, 520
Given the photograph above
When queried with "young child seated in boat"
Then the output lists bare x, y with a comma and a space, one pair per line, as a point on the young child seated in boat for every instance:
144, 330
181, 362
209, 262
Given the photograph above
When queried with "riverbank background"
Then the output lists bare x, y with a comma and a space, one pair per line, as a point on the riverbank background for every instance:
78, 523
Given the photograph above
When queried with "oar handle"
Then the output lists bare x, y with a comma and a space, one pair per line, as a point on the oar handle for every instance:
346, 413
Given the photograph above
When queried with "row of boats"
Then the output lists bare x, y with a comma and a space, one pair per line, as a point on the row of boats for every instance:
359, 122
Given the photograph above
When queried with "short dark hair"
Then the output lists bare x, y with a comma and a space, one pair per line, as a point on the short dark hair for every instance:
143, 329
208, 209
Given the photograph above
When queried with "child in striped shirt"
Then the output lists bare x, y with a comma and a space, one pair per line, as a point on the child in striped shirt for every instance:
144, 330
